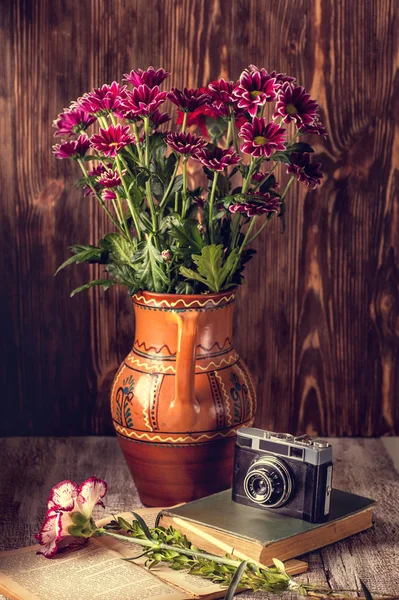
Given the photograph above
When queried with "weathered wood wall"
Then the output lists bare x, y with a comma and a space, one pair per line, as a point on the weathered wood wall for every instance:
318, 321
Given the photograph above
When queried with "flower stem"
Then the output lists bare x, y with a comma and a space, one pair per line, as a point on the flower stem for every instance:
184, 124
122, 216
262, 181
184, 203
147, 183
287, 187
138, 145
211, 200
247, 234
229, 133
268, 219
234, 131
154, 545
248, 178
170, 185
97, 195
113, 120
132, 209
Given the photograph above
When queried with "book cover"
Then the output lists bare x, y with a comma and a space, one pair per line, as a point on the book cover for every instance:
263, 535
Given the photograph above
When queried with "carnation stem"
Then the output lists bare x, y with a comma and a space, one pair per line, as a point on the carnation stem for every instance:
211, 199
157, 546
97, 196
132, 209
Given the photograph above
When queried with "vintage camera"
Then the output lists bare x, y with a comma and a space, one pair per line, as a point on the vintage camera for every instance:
286, 474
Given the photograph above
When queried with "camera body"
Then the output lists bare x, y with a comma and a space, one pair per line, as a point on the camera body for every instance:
282, 473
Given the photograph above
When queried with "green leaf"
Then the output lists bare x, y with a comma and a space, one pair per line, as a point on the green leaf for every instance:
106, 283
366, 591
82, 254
279, 565
188, 235
300, 147
143, 526
235, 581
121, 249
211, 270
150, 267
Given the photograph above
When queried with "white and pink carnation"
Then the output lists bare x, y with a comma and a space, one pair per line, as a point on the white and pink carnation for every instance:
69, 513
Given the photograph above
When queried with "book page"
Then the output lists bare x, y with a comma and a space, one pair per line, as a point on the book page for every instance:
95, 571
91, 571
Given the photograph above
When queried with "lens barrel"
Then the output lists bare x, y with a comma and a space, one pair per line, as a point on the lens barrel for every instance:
268, 482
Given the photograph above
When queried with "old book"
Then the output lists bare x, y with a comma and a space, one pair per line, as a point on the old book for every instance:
96, 571
219, 525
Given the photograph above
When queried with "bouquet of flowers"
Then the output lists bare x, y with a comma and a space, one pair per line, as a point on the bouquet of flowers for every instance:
168, 235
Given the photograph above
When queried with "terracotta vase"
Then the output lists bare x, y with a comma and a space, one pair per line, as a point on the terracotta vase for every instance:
180, 396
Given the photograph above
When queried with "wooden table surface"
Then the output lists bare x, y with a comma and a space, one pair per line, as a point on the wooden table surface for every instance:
29, 467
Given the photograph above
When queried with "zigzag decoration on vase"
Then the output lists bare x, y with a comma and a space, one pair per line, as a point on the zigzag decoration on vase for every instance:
140, 345
160, 368
227, 342
229, 417
167, 438
193, 303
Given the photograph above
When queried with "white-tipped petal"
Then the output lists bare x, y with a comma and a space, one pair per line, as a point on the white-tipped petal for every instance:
63, 495
49, 534
91, 493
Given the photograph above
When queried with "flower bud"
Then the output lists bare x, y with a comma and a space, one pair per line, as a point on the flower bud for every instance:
201, 228
166, 255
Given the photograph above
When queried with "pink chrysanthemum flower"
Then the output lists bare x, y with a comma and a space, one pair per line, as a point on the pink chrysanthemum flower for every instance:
110, 141
72, 121
315, 128
143, 101
184, 143
102, 101
66, 502
217, 159
157, 119
96, 171
72, 149
110, 179
262, 138
280, 78
188, 99
295, 104
149, 77
221, 92
254, 89
108, 195
261, 204
304, 170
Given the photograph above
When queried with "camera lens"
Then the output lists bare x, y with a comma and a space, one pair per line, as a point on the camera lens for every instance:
268, 482
259, 487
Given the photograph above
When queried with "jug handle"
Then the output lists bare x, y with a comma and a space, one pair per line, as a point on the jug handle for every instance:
185, 358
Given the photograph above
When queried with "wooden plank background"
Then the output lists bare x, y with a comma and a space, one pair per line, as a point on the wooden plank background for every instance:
318, 321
